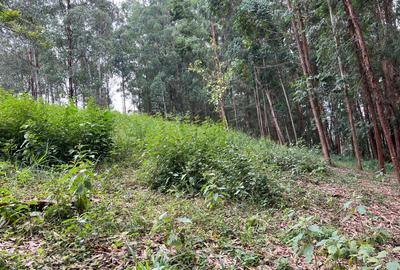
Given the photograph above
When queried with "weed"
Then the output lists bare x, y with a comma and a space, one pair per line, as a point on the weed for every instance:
308, 239
207, 159
37, 133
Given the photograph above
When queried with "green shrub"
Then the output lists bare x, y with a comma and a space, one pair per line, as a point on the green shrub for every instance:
174, 155
309, 239
40, 133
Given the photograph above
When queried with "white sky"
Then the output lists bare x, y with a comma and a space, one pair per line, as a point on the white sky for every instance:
118, 2
115, 95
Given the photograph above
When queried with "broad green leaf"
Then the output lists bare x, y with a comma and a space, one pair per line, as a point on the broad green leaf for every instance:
308, 253
347, 204
366, 250
184, 220
382, 254
295, 242
395, 265
361, 209
315, 228
332, 249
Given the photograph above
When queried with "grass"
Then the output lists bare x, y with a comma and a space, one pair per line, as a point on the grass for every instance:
39, 133
205, 158
128, 225
350, 162
180, 195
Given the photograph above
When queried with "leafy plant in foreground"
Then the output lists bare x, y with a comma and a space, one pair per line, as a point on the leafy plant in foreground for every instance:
309, 239
37, 133
205, 158
72, 191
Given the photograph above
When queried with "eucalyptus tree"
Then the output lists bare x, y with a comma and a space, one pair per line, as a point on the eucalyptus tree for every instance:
319, 72
73, 58
365, 63
168, 36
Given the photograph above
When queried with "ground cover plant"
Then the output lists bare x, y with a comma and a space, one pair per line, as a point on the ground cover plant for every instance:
204, 157
38, 133
178, 194
200, 134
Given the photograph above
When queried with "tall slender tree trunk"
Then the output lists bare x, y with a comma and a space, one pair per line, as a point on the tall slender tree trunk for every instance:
301, 119
107, 94
347, 101
124, 95
278, 129
235, 109
287, 134
266, 118
68, 29
370, 108
391, 98
219, 75
392, 93
288, 106
247, 114
386, 15
52, 98
302, 44
258, 103
34, 84
164, 104
371, 112
365, 117
373, 84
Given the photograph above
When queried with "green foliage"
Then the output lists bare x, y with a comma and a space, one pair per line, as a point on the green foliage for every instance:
37, 133
11, 210
7, 16
174, 230
283, 264
394, 265
204, 157
159, 261
72, 191
309, 239
24, 217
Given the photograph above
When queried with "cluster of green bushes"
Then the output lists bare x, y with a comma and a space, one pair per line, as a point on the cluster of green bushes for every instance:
204, 157
171, 155
36, 132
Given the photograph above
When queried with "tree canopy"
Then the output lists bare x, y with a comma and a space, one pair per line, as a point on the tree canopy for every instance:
320, 73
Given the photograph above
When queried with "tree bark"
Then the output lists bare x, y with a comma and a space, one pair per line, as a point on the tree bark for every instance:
258, 103
373, 84
124, 94
391, 98
219, 76
266, 118
347, 101
33, 83
235, 109
279, 132
288, 106
301, 40
68, 29
371, 112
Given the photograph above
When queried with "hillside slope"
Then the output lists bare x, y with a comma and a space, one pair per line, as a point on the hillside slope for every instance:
175, 195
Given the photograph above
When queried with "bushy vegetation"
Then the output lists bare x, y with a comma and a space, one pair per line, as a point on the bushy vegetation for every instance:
204, 157
175, 155
108, 217
38, 133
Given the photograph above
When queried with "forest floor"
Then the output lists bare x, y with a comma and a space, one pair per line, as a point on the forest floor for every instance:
128, 225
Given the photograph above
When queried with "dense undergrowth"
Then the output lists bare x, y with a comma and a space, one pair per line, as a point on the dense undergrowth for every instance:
75, 181
175, 155
204, 157
38, 133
